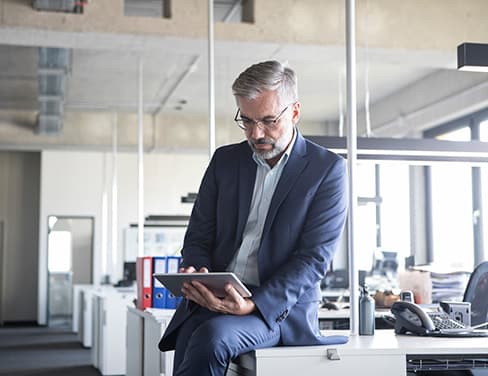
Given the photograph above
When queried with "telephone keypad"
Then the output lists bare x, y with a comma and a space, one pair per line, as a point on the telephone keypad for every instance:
442, 321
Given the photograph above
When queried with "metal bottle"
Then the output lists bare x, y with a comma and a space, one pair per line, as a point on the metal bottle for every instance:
366, 313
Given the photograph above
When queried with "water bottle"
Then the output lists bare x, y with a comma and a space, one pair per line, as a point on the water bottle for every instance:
366, 313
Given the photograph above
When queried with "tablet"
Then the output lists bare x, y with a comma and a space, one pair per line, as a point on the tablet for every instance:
213, 281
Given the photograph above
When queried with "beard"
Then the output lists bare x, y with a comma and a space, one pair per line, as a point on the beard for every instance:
279, 145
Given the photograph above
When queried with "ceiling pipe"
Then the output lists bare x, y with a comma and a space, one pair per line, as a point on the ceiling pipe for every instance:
52, 69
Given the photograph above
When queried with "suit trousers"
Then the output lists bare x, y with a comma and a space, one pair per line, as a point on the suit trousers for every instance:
208, 341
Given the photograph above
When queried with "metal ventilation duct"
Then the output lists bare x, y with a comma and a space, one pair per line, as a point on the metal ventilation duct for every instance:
54, 5
52, 76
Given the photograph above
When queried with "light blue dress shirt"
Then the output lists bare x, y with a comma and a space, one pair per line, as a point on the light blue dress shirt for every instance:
245, 263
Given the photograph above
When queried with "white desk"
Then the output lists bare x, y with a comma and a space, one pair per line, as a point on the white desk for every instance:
109, 308
135, 342
381, 354
77, 322
144, 330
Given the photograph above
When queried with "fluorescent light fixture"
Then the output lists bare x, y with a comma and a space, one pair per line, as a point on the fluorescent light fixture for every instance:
419, 150
473, 57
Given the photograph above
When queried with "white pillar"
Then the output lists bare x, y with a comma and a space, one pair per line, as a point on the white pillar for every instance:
115, 227
211, 81
351, 160
140, 165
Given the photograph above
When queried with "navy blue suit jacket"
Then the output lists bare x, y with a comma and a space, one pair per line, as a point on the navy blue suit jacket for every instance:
300, 235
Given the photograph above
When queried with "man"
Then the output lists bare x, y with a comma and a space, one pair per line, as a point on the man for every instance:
271, 210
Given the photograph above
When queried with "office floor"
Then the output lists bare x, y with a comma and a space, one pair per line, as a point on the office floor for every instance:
43, 351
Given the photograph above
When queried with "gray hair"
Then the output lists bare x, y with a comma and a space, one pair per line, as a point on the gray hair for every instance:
268, 75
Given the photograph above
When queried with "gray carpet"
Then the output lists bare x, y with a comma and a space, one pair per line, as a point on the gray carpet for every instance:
43, 351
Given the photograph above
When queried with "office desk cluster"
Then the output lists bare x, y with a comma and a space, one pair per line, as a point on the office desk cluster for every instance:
99, 318
382, 354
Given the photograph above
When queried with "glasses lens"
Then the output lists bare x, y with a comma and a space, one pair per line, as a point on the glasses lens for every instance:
247, 124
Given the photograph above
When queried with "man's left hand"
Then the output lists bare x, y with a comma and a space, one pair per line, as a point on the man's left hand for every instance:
233, 303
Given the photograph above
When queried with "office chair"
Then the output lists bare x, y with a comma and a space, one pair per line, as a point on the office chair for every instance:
477, 294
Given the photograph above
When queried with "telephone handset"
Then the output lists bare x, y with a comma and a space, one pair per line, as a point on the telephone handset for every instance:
411, 318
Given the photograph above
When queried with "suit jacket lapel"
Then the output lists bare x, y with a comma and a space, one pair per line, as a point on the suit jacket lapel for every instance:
294, 167
247, 177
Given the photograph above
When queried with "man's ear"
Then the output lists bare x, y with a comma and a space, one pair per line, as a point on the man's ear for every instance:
295, 114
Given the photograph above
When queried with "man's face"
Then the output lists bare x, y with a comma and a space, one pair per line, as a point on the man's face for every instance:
269, 142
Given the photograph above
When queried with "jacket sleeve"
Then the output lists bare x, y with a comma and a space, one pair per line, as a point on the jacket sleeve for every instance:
297, 279
200, 235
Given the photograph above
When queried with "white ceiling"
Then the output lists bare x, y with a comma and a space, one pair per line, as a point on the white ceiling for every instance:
109, 79
176, 73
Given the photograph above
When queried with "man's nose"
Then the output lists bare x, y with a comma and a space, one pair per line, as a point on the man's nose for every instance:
257, 130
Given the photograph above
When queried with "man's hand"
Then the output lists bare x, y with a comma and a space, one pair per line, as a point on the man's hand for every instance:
192, 269
233, 303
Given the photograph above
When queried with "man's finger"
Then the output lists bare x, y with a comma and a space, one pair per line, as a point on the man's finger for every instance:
232, 293
203, 291
210, 301
192, 293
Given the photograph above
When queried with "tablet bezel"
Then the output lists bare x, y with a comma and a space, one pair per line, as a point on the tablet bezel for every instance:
214, 281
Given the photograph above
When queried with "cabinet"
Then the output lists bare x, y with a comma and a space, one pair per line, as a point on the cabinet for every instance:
135, 342
148, 326
109, 331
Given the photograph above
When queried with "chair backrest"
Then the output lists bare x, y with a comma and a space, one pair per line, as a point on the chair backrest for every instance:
477, 294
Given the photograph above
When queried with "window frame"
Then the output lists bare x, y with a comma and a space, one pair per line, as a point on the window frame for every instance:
472, 121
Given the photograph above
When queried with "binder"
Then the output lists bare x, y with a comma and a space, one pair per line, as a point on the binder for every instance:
172, 266
159, 291
144, 282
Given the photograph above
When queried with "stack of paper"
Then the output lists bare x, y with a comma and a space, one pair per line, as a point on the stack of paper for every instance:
447, 284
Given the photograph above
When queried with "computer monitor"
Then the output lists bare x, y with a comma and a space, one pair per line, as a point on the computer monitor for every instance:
129, 271
477, 294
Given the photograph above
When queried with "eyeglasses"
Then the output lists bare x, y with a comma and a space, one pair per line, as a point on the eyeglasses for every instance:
264, 124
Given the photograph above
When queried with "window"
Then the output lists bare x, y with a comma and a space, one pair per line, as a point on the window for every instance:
366, 224
458, 206
148, 8
59, 252
452, 230
484, 192
383, 214
395, 209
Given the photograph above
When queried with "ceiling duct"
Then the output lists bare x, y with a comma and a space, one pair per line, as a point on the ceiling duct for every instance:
55, 5
52, 76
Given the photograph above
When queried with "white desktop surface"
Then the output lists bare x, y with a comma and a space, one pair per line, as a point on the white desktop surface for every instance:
386, 342
382, 354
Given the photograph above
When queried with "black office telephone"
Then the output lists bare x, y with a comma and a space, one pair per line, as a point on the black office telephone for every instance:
411, 318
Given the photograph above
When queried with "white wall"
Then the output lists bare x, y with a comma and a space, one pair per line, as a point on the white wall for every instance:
73, 183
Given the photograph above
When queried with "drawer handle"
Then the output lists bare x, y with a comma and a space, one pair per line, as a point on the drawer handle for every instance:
332, 354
